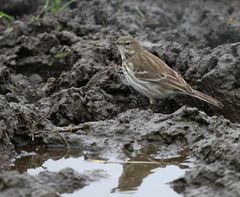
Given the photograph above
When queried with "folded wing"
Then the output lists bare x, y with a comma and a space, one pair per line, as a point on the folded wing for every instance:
159, 72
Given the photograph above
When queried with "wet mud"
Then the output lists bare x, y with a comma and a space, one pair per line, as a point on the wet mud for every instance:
61, 86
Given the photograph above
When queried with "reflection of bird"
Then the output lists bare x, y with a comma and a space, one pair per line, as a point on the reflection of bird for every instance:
151, 76
133, 174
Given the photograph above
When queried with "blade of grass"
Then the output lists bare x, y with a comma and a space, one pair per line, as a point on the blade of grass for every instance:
46, 5
140, 13
6, 16
67, 4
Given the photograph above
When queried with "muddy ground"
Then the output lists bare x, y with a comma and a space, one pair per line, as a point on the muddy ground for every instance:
61, 85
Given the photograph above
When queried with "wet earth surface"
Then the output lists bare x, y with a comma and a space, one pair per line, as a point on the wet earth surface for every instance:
70, 125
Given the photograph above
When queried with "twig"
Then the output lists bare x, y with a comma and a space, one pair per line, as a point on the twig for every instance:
97, 77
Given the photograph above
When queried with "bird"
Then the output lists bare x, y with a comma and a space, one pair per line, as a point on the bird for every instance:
151, 76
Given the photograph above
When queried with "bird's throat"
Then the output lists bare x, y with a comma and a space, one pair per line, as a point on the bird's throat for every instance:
125, 54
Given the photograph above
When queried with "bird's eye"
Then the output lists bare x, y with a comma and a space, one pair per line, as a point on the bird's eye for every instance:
128, 43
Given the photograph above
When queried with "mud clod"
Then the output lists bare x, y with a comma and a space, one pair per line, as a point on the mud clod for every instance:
61, 85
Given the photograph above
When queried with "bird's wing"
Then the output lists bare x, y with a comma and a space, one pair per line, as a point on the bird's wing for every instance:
160, 73
166, 81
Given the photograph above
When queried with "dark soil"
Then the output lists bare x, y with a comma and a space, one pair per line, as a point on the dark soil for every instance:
61, 85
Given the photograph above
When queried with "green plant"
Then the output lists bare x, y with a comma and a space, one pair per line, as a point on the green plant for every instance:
61, 55
12, 88
56, 6
50, 64
53, 6
139, 12
3, 15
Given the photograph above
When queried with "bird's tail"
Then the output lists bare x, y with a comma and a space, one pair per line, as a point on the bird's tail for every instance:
207, 98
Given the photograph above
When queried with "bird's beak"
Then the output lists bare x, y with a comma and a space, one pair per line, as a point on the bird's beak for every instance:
117, 43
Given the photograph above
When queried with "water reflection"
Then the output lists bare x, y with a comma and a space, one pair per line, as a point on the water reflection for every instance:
36, 156
124, 178
133, 174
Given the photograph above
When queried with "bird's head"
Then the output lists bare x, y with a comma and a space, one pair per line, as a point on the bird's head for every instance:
127, 46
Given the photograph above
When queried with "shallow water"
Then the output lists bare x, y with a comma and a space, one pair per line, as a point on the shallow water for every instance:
146, 178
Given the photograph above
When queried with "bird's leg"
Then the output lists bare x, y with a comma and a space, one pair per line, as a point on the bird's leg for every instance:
152, 101
153, 104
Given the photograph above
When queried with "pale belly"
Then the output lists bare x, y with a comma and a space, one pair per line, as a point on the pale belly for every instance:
148, 89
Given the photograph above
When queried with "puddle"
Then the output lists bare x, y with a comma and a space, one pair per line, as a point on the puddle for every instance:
145, 177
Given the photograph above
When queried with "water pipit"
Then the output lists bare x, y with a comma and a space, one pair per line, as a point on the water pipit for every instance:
152, 77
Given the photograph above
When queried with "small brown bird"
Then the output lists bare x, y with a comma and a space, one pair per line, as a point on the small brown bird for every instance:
152, 77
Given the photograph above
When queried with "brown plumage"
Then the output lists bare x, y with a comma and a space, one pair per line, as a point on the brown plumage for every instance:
151, 76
